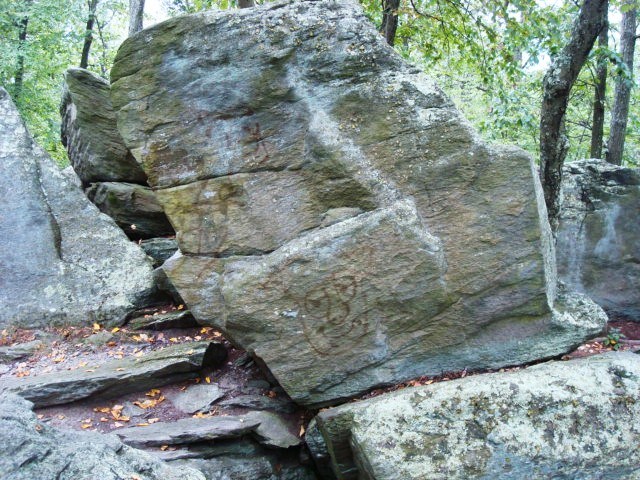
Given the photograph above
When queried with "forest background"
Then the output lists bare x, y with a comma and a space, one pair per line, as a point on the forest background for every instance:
489, 56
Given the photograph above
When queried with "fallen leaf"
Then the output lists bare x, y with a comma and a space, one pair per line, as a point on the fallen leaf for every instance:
164, 447
180, 307
61, 417
84, 426
115, 329
40, 416
153, 420
207, 379
301, 431
154, 392
97, 327
173, 339
143, 424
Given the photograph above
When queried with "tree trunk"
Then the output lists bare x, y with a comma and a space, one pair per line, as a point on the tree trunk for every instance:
557, 84
136, 11
390, 20
597, 128
245, 3
620, 111
18, 78
88, 36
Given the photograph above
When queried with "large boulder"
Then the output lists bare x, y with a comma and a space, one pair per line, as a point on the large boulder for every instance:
575, 419
599, 235
339, 219
32, 450
89, 131
61, 260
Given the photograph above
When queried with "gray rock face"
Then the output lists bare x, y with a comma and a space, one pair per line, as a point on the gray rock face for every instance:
575, 419
160, 249
134, 208
89, 132
32, 450
196, 397
241, 460
118, 377
599, 235
268, 428
61, 260
339, 219
21, 350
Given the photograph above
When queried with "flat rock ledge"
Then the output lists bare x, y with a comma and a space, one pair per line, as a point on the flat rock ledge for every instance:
31, 450
267, 428
574, 419
118, 377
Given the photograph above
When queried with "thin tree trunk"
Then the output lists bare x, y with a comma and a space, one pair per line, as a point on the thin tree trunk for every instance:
620, 111
136, 12
557, 84
245, 3
88, 35
390, 20
597, 128
18, 78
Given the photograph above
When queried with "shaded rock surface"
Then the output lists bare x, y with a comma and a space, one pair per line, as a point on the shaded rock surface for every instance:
339, 219
241, 460
575, 419
133, 207
163, 321
61, 260
32, 450
160, 249
599, 235
96, 150
117, 377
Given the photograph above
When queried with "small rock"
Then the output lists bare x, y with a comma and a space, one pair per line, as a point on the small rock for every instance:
21, 350
196, 397
159, 249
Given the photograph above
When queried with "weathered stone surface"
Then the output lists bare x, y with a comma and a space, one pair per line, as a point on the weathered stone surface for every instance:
18, 351
267, 428
339, 219
89, 132
575, 419
32, 450
241, 460
259, 402
164, 321
196, 398
61, 260
118, 377
160, 249
599, 235
133, 207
